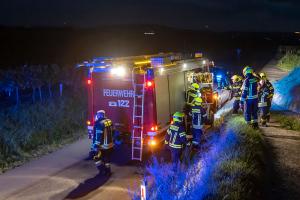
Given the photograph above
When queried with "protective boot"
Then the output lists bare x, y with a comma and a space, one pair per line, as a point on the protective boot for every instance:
107, 169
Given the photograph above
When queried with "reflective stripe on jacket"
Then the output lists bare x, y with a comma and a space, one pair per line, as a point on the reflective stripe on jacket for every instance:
249, 88
263, 94
104, 133
175, 136
198, 117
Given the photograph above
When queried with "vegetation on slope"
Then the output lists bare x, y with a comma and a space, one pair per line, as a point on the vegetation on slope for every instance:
290, 61
231, 168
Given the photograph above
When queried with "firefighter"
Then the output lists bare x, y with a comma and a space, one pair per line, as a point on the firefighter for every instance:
199, 116
192, 93
176, 137
237, 82
263, 103
263, 76
249, 97
103, 142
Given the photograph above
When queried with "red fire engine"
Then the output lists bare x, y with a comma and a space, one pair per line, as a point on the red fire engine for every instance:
140, 93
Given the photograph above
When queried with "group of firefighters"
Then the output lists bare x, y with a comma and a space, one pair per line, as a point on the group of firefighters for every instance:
252, 94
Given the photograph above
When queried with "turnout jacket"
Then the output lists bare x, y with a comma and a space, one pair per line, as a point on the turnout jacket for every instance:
199, 116
103, 132
176, 136
236, 89
249, 88
191, 95
270, 88
263, 95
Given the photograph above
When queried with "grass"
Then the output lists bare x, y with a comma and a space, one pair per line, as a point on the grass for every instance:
232, 167
32, 130
290, 122
290, 61
241, 174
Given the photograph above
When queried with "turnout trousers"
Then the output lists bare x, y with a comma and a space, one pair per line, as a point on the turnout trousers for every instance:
264, 113
250, 111
236, 106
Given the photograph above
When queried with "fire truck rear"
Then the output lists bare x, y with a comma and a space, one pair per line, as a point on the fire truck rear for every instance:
140, 94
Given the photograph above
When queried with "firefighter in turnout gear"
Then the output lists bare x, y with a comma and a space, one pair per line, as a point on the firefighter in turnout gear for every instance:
269, 85
103, 142
249, 98
199, 116
192, 93
176, 137
263, 104
237, 82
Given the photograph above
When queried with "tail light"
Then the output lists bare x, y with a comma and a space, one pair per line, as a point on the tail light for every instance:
149, 84
154, 128
88, 122
89, 81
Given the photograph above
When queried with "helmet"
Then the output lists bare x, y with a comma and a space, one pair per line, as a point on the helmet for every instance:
100, 114
235, 78
195, 86
178, 117
198, 101
263, 75
247, 70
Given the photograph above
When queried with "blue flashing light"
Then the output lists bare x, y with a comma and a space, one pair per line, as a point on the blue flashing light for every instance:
157, 61
219, 76
150, 74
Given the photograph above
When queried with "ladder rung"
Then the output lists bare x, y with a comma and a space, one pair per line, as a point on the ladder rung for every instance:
138, 138
139, 84
138, 106
137, 95
137, 148
138, 116
137, 127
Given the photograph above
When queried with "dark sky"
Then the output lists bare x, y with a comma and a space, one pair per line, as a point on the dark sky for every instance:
222, 15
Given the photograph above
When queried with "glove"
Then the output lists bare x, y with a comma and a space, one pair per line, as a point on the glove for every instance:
188, 144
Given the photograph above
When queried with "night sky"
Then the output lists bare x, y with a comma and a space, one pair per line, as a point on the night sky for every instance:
220, 15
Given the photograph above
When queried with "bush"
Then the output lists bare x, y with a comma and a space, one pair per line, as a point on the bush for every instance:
32, 128
286, 121
231, 168
290, 61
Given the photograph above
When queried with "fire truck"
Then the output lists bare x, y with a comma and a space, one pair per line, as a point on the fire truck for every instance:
140, 93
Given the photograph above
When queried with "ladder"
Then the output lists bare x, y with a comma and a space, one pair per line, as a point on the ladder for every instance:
137, 117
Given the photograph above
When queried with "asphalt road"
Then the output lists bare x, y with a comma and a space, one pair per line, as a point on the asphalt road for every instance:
79, 180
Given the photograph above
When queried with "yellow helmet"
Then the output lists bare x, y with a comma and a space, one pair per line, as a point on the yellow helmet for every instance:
234, 78
263, 75
178, 117
195, 86
247, 70
198, 101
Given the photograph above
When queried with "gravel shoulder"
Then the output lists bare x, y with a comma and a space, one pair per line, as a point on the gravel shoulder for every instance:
283, 149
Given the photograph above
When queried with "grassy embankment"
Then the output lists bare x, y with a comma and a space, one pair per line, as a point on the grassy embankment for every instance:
290, 122
231, 168
289, 61
241, 175
32, 130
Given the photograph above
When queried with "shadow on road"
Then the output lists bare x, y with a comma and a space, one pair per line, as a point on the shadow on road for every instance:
88, 186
